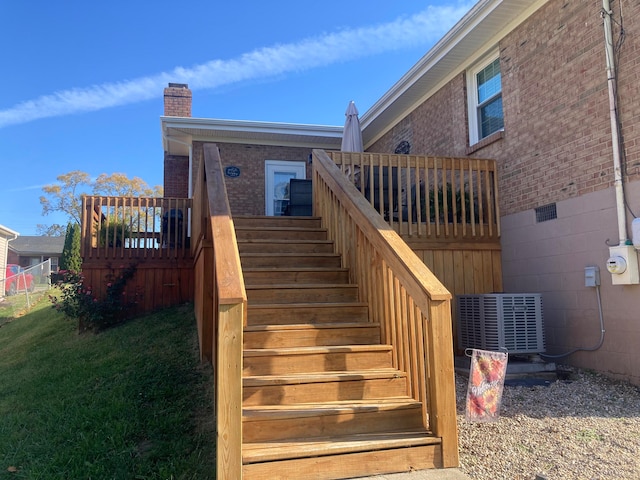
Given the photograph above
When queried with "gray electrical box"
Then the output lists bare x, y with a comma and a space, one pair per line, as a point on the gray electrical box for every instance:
591, 276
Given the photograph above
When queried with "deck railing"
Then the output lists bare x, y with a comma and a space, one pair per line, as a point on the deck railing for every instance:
221, 306
428, 197
134, 227
409, 302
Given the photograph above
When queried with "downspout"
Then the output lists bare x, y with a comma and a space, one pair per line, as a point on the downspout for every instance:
613, 113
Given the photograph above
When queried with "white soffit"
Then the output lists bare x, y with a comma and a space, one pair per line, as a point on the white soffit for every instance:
476, 33
179, 132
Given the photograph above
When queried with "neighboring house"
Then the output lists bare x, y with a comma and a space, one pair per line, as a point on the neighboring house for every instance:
6, 235
521, 82
27, 251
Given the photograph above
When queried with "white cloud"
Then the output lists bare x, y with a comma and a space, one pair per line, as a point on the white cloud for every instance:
419, 29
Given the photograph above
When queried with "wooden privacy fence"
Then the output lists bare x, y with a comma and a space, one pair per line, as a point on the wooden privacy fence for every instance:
220, 305
428, 197
135, 227
411, 305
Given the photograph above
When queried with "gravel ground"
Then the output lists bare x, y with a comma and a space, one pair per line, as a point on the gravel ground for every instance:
584, 426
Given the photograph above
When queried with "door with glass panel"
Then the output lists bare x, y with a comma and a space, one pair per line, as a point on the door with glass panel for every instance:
277, 176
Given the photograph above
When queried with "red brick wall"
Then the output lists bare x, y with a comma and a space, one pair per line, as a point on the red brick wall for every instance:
176, 176
557, 138
246, 192
177, 100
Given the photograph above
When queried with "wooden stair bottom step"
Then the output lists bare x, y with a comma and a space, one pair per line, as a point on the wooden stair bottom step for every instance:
304, 447
341, 458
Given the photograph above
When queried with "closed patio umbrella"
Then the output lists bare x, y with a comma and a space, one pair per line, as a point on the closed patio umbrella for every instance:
352, 135
352, 140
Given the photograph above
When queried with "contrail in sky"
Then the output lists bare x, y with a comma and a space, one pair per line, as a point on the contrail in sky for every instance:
426, 26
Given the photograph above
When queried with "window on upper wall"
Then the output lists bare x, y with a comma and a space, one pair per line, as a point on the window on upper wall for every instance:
484, 87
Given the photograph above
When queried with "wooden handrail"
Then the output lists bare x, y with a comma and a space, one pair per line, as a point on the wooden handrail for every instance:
411, 305
119, 228
221, 294
428, 197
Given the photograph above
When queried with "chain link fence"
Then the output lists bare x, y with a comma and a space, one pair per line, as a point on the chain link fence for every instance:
21, 288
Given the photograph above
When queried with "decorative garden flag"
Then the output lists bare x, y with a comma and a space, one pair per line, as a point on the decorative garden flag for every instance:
486, 382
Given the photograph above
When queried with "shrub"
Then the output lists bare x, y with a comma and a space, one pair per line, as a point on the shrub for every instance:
71, 259
78, 301
114, 233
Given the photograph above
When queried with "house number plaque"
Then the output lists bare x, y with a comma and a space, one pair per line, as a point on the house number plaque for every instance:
232, 172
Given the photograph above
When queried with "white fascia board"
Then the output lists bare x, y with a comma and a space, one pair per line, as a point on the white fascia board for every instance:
253, 127
183, 129
7, 232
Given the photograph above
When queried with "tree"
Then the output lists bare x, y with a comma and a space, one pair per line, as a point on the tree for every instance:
65, 196
55, 230
119, 185
71, 259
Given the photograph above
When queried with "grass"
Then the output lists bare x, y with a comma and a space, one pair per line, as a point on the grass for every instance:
130, 403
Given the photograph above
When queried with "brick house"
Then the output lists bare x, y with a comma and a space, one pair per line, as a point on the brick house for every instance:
526, 84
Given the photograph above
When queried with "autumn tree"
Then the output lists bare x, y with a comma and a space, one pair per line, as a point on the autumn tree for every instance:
65, 196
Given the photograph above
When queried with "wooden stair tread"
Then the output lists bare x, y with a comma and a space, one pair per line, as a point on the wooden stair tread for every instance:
290, 351
279, 229
289, 255
279, 306
300, 410
320, 377
309, 326
282, 241
295, 269
259, 286
305, 447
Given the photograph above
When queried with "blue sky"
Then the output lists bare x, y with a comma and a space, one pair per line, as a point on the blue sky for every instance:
82, 81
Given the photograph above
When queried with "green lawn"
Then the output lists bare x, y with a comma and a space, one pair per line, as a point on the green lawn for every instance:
132, 402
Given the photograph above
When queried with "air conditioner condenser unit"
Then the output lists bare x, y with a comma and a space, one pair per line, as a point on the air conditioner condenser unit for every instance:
499, 321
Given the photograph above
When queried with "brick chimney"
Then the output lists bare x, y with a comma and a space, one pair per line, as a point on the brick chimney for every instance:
177, 100
177, 103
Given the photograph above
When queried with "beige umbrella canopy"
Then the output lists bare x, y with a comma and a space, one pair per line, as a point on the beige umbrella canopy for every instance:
352, 135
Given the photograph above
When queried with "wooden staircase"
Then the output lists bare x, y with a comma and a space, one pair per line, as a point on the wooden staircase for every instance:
321, 397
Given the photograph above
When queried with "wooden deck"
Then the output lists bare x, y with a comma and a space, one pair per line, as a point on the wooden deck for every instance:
331, 336
150, 233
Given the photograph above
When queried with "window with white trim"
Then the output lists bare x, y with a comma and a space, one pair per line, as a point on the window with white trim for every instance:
484, 87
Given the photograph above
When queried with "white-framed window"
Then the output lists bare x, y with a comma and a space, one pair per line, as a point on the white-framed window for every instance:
484, 98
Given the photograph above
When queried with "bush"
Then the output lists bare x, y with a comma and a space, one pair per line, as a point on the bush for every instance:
71, 259
78, 301
114, 233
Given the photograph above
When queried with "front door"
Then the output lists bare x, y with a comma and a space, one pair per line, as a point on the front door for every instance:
277, 176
